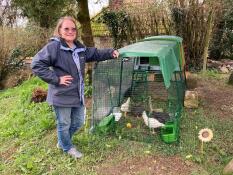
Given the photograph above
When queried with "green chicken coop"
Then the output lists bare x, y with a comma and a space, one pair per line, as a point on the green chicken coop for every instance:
150, 72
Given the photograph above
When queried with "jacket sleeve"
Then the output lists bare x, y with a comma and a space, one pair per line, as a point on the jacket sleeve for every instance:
42, 64
94, 54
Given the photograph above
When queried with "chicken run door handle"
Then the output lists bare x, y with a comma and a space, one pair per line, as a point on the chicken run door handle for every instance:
125, 59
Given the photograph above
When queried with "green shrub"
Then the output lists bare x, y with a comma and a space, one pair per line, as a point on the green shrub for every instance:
88, 87
16, 45
230, 81
221, 46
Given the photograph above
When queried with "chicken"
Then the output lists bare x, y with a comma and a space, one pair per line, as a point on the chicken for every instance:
150, 104
125, 106
151, 122
162, 117
112, 90
137, 110
151, 107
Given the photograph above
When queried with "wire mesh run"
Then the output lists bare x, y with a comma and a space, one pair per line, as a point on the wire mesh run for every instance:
114, 81
111, 82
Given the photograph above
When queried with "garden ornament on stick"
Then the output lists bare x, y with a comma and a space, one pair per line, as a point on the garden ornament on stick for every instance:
205, 135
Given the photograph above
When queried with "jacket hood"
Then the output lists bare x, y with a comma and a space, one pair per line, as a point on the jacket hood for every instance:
63, 43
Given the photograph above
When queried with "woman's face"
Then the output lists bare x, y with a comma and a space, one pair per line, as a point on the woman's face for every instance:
68, 31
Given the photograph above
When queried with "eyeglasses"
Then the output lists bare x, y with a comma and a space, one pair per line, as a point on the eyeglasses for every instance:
66, 29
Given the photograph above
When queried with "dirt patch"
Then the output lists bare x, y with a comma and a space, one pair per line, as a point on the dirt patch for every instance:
7, 154
16, 78
216, 97
88, 103
156, 165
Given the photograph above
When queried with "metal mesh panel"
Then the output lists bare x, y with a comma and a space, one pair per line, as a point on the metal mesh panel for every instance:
111, 80
170, 133
116, 80
176, 92
126, 78
139, 87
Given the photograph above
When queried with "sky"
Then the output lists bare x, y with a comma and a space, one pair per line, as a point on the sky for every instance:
95, 6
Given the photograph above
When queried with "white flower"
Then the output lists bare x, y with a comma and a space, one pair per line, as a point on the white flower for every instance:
205, 135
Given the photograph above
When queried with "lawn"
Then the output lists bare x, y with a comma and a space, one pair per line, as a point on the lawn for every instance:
28, 138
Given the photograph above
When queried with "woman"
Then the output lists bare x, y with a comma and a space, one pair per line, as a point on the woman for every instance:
61, 63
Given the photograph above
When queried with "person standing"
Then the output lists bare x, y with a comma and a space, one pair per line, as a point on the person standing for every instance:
61, 63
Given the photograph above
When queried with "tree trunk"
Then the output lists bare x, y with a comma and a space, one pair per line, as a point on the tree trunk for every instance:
207, 38
230, 81
86, 34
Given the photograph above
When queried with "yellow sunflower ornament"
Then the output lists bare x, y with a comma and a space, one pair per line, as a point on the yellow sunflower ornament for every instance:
205, 135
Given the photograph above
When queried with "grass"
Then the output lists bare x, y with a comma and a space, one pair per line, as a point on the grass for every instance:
216, 153
28, 139
213, 74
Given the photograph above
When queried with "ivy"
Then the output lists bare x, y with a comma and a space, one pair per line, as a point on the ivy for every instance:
119, 26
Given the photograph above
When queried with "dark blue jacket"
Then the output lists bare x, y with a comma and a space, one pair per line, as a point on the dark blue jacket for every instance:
54, 60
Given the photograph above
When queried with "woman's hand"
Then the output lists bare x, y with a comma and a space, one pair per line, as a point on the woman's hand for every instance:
115, 54
65, 80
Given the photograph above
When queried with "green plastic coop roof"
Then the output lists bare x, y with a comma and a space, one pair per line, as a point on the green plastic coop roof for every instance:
168, 50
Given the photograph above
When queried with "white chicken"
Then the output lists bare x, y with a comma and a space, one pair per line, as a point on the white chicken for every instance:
151, 107
151, 122
112, 90
125, 106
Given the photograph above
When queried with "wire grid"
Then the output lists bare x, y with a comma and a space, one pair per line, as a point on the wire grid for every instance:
111, 81
170, 101
176, 93
126, 79
139, 87
116, 80
145, 85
